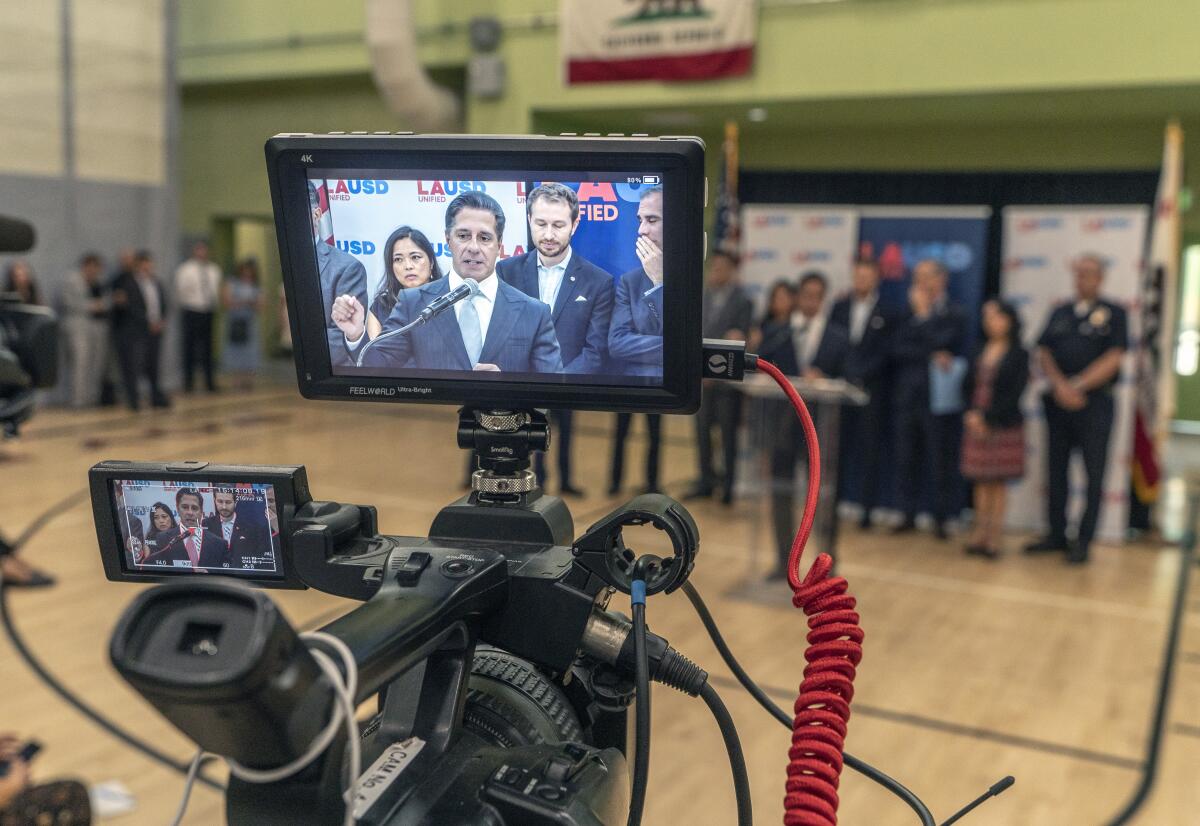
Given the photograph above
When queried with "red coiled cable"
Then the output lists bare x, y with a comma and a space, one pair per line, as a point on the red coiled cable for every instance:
834, 651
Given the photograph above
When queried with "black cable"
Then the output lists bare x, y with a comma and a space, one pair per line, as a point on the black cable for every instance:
865, 769
641, 759
733, 747
1166, 675
35, 665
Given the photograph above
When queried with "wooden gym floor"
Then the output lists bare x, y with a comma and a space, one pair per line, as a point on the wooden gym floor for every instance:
972, 670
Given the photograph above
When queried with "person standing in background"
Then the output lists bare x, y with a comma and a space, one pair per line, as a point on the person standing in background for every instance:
871, 327
84, 303
928, 338
807, 345
1080, 353
242, 300
994, 428
726, 315
198, 288
112, 364
139, 314
19, 279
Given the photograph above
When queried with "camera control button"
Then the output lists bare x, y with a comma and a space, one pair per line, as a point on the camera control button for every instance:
457, 567
551, 794
410, 572
186, 467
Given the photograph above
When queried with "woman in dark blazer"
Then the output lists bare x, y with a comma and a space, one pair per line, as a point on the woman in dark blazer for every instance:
994, 428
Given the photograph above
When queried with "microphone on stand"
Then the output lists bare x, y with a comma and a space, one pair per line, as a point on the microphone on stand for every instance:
468, 289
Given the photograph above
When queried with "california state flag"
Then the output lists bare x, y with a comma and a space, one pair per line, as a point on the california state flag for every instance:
1155, 400
607, 40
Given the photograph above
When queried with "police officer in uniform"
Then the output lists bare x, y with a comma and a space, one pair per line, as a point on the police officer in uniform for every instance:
1080, 353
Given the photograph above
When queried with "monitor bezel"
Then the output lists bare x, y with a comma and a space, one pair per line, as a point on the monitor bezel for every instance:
291, 491
679, 160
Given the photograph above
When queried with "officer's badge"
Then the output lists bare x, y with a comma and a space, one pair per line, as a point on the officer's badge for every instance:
1099, 316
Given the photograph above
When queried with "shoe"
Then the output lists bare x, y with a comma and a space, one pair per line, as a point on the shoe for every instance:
699, 491
864, 524
727, 498
1077, 554
982, 550
161, 401
33, 579
1046, 545
777, 575
939, 530
907, 526
570, 490
614, 490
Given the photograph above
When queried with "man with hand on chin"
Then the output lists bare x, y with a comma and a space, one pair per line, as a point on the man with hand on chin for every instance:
498, 329
635, 340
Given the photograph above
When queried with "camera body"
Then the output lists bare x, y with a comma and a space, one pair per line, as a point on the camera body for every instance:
503, 683
28, 359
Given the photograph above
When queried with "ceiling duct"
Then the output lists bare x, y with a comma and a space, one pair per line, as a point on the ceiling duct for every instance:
391, 37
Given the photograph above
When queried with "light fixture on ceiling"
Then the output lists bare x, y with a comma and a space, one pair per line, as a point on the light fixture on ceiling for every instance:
757, 115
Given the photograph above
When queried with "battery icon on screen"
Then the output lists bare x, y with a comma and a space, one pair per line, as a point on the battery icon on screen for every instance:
651, 179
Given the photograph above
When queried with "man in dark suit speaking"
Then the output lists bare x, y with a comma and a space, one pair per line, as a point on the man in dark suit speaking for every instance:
579, 293
499, 328
341, 274
196, 546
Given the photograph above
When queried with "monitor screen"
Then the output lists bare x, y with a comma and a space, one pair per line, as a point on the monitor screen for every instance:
188, 526
494, 276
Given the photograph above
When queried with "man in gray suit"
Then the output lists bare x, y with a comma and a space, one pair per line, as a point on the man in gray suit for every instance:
726, 314
340, 274
499, 329
85, 315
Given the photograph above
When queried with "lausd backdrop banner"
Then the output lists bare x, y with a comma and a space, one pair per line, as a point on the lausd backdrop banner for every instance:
1039, 245
786, 240
615, 40
898, 238
365, 212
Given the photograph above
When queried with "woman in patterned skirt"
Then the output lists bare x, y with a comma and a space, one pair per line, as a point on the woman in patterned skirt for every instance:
994, 427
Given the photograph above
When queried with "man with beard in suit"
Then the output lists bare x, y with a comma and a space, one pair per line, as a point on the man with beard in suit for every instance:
244, 539
580, 296
870, 326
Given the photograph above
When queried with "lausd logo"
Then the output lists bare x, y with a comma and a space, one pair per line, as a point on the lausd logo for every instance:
824, 221
1026, 262
811, 256
442, 250
357, 247
1105, 224
342, 190
600, 200
438, 192
762, 221
1035, 224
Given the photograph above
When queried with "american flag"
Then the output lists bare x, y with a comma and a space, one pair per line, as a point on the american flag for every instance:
727, 230
1155, 399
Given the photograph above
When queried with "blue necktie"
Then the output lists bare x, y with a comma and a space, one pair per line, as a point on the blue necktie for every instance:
472, 335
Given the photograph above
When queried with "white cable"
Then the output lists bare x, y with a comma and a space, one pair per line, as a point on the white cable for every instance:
193, 770
345, 689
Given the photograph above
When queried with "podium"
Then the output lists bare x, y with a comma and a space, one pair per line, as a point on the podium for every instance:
768, 414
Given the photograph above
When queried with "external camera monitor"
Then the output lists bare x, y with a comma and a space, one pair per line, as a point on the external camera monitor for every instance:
159, 521
493, 271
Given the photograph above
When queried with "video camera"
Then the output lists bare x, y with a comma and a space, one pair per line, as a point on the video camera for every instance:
504, 682
28, 342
